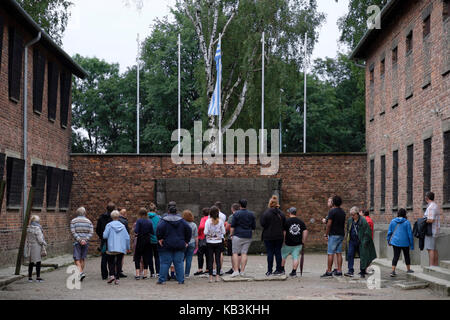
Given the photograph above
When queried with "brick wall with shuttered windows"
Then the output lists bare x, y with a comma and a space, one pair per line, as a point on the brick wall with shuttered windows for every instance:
38, 80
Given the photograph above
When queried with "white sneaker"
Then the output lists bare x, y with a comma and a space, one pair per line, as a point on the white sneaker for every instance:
242, 274
235, 274
214, 273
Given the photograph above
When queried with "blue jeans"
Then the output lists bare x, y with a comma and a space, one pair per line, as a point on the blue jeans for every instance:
352, 248
274, 249
166, 258
188, 254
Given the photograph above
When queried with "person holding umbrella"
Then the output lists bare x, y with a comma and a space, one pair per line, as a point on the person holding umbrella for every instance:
295, 235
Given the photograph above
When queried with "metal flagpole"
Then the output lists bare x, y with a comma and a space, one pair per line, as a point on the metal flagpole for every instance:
179, 93
262, 97
138, 103
304, 106
281, 140
219, 93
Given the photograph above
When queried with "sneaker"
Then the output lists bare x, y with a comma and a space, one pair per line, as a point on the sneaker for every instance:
393, 274
160, 282
349, 274
327, 275
410, 271
235, 274
222, 273
82, 276
229, 271
39, 280
242, 274
122, 275
30, 279
186, 276
210, 281
334, 272
111, 279
278, 273
153, 275
137, 278
293, 274
198, 273
338, 274
182, 282
116, 282
362, 275
268, 274
214, 273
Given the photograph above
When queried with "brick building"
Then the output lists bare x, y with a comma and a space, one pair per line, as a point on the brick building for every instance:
42, 153
408, 108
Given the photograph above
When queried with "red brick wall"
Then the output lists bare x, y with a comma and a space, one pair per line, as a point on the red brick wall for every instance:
307, 182
412, 121
48, 144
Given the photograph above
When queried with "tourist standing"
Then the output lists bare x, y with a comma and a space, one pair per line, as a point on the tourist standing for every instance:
400, 237
35, 248
154, 255
173, 235
235, 207
295, 235
222, 217
335, 235
359, 239
214, 232
193, 244
102, 221
118, 243
242, 225
366, 215
201, 252
82, 230
272, 221
433, 217
143, 231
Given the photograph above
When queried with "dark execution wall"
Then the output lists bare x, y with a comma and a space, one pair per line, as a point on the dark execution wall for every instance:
304, 181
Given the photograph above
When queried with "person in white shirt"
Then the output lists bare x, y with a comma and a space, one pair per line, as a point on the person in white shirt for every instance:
222, 217
433, 216
214, 232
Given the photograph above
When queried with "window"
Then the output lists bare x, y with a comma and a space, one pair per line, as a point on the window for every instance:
382, 67
447, 167
426, 26
372, 184
409, 176
38, 176
394, 56
1, 40
64, 189
409, 42
383, 183
446, 9
53, 178
372, 77
15, 64
395, 180
14, 182
66, 81
53, 75
2, 166
426, 166
38, 80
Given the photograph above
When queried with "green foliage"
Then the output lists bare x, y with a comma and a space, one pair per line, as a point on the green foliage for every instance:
51, 15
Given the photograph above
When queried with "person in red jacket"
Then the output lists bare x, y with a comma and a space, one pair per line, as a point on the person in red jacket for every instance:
365, 214
201, 252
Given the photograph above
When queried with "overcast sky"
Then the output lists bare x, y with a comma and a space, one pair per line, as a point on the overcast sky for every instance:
108, 29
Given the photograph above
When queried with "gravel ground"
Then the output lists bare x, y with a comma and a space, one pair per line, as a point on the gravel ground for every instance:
309, 286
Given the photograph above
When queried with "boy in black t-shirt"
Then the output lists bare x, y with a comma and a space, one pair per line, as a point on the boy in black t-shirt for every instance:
295, 235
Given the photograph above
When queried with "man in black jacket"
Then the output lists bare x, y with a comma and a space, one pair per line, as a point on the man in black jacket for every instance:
102, 221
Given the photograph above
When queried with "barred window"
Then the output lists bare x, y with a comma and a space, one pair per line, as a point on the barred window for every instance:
64, 189
446, 9
15, 64
14, 182
53, 75
38, 80
409, 176
38, 177
426, 167
66, 82
395, 180
409, 42
447, 167
372, 184
53, 178
394, 56
383, 182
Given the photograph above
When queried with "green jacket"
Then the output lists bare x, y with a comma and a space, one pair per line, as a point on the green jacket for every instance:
366, 250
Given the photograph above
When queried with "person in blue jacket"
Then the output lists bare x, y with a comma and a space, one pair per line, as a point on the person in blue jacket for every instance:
400, 237
173, 235
154, 218
118, 243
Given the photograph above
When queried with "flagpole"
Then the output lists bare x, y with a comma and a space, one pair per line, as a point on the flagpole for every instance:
138, 100
179, 93
262, 97
220, 95
304, 106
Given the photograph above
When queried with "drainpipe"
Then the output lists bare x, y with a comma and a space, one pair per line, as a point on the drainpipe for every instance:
25, 120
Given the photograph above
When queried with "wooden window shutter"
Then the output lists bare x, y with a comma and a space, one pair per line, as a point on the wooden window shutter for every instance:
426, 167
409, 176
2, 165
53, 178
38, 177
38, 80
53, 75
15, 64
14, 182
447, 167
64, 189
372, 184
1, 41
66, 82
395, 180
383, 182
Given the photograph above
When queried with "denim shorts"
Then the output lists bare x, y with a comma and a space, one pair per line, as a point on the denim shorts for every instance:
335, 244
79, 252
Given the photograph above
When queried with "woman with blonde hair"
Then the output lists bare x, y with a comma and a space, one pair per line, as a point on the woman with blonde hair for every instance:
193, 244
214, 232
35, 248
272, 221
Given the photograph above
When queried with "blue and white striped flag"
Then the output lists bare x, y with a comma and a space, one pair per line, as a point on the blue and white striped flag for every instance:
214, 106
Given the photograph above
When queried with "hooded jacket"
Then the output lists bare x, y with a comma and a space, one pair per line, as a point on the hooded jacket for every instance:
117, 237
366, 250
272, 220
174, 231
402, 237
155, 220
102, 221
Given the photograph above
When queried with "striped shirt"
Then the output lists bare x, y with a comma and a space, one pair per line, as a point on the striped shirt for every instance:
81, 228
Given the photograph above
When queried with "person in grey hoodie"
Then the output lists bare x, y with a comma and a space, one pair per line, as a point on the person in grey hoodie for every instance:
174, 235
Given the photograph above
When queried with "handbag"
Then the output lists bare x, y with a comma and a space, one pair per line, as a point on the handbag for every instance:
43, 251
389, 241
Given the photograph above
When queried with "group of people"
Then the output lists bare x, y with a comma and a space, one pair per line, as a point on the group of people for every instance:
166, 244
